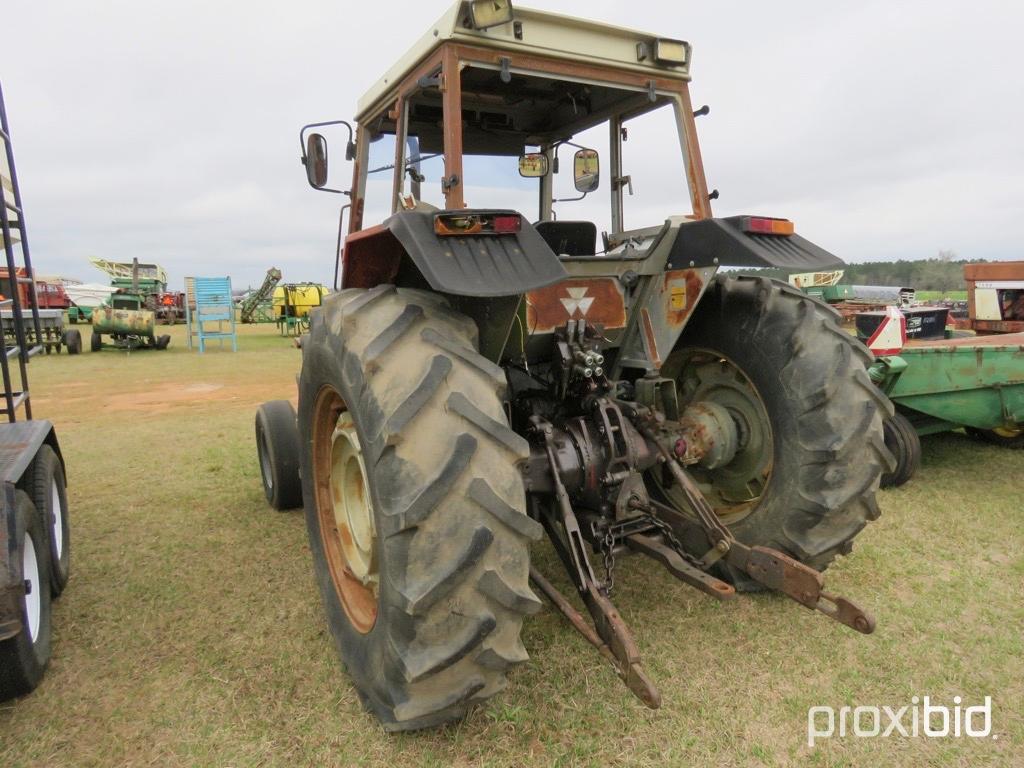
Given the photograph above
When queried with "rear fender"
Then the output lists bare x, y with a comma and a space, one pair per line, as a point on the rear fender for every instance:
484, 276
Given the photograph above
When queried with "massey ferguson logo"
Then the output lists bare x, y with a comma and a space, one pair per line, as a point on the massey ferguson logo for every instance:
598, 299
578, 301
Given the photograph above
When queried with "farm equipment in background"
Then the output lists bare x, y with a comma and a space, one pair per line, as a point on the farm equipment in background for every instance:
84, 297
127, 319
995, 297
851, 300
170, 307
258, 305
479, 380
975, 382
50, 303
35, 544
292, 304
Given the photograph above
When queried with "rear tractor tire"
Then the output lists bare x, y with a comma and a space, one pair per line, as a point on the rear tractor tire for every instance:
415, 506
277, 446
810, 449
903, 442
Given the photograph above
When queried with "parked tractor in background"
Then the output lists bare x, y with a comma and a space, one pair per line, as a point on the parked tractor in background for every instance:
481, 380
127, 319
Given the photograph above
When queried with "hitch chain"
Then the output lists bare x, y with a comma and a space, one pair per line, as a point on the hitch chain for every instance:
608, 546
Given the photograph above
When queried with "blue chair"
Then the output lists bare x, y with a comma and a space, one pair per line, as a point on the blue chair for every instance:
208, 300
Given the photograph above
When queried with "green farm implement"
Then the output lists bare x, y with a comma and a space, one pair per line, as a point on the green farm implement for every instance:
975, 382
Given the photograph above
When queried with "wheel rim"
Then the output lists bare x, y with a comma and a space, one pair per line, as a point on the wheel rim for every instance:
268, 476
734, 490
1008, 432
345, 509
33, 600
58, 519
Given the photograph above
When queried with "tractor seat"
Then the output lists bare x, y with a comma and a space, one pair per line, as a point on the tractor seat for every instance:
569, 238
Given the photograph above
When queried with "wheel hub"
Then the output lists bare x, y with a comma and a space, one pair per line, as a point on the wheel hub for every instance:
345, 510
33, 597
350, 496
58, 520
730, 434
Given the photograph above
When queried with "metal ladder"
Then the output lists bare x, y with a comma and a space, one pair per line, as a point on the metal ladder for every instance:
13, 232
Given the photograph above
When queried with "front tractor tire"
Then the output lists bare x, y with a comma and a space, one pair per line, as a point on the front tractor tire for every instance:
414, 504
809, 421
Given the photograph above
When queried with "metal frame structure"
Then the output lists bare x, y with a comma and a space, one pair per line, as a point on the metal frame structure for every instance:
12, 219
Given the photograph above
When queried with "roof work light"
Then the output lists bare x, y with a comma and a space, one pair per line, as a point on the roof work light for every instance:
489, 13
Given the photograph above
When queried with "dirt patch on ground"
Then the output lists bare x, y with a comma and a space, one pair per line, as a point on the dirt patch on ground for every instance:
172, 395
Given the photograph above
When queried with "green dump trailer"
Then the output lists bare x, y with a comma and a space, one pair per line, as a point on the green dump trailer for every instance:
976, 383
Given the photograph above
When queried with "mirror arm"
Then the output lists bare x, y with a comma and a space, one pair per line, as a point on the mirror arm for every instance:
350, 148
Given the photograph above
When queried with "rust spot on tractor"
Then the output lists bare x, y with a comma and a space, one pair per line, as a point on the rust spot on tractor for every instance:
598, 300
682, 289
346, 536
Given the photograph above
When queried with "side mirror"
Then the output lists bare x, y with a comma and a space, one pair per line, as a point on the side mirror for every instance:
316, 160
586, 170
533, 165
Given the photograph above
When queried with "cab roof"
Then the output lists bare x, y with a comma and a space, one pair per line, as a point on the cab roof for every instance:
531, 32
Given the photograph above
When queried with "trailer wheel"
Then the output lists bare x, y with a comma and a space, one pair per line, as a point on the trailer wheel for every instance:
23, 658
163, 341
415, 506
96, 342
45, 482
809, 421
73, 341
277, 445
1002, 436
902, 441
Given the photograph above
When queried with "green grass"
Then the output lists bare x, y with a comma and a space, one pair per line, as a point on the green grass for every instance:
937, 295
191, 632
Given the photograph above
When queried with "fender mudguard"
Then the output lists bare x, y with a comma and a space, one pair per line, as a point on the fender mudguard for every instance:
722, 242
464, 265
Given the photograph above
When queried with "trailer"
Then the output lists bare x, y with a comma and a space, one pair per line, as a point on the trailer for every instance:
53, 335
973, 382
35, 544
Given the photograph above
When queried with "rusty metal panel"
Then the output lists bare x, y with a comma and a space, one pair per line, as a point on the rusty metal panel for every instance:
663, 312
598, 300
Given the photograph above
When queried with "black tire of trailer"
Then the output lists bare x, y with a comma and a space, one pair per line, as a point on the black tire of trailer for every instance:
277, 447
73, 341
825, 413
23, 659
447, 499
95, 342
903, 442
46, 483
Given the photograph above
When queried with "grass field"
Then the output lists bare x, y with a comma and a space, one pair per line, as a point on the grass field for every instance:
937, 295
191, 632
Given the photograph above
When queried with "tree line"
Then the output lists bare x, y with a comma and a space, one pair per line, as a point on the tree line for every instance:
938, 274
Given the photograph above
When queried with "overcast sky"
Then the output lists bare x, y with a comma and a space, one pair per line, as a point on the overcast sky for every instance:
168, 130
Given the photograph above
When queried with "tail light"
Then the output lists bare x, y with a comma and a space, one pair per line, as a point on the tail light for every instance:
762, 225
449, 224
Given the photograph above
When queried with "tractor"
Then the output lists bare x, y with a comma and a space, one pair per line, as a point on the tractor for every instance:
487, 375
